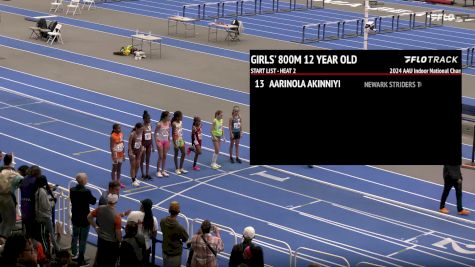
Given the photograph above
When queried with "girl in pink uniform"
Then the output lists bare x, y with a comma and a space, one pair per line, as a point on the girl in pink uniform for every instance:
162, 140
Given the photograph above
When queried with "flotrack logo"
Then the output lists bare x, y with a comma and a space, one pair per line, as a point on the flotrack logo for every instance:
431, 59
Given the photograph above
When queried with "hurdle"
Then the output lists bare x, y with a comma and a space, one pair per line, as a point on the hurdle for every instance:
435, 15
356, 24
209, 6
399, 26
310, 33
327, 34
310, 4
236, 11
469, 57
300, 6
243, 13
283, 10
419, 20
380, 24
198, 17
261, 11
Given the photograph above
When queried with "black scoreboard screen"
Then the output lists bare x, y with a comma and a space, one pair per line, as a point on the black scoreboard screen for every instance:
356, 107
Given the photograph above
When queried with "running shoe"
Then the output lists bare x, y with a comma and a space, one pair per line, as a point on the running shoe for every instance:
219, 166
183, 171
177, 171
464, 212
136, 183
165, 174
196, 168
159, 174
122, 185
231, 159
214, 166
238, 160
444, 210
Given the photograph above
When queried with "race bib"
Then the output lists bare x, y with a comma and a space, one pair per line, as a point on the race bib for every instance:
119, 147
236, 125
148, 136
137, 145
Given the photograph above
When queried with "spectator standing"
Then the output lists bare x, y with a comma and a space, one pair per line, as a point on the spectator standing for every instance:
174, 235
9, 181
112, 188
452, 178
108, 228
206, 246
247, 252
132, 248
28, 189
81, 198
44, 203
147, 224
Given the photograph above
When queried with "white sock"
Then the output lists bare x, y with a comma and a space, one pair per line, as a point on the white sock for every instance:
215, 157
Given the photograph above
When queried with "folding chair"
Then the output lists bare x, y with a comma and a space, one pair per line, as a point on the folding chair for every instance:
74, 4
55, 34
233, 33
89, 3
55, 5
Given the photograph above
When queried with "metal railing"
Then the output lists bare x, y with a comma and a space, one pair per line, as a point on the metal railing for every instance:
296, 253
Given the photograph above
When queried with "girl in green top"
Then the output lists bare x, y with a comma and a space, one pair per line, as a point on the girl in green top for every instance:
217, 132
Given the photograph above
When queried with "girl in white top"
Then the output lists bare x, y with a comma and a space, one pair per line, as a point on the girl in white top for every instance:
178, 142
148, 145
162, 140
135, 150
148, 224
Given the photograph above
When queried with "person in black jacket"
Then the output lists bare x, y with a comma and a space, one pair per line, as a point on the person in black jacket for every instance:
132, 247
81, 198
452, 178
247, 253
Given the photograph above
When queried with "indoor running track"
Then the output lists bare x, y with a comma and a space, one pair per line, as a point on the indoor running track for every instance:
344, 210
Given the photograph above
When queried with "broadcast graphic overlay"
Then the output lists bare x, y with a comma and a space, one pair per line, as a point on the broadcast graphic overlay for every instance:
355, 107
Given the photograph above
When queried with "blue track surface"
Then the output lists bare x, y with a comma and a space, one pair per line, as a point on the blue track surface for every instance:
345, 210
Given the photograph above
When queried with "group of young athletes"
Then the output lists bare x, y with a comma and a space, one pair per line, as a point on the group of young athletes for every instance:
141, 143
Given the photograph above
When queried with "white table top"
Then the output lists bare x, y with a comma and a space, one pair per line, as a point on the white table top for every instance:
223, 25
146, 37
181, 19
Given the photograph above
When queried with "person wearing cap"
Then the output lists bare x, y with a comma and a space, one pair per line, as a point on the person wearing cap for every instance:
206, 246
247, 252
174, 235
81, 198
147, 224
108, 228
